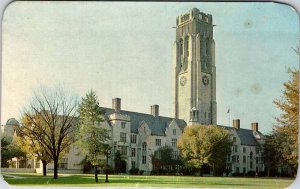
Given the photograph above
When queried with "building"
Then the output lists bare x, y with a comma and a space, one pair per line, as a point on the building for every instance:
194, 68
138, 135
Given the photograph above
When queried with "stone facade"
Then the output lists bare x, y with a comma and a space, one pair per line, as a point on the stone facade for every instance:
194, 68
137, 135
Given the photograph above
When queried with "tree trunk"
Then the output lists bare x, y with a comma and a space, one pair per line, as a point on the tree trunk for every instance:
96, 174
55, 164
44, 168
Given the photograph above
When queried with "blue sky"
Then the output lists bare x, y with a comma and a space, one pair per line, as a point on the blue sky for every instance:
125, 50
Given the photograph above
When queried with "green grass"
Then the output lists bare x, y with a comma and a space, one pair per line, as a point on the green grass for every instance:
83, 180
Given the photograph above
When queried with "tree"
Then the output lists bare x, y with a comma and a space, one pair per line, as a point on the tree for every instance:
31, 147
286, 127
271, 156
9, 150
93, 140
163, 160
50, 120
200, 145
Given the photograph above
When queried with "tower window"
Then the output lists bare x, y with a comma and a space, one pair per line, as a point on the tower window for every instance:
123, 124
207, 47
181, 47
186, 46
122, 137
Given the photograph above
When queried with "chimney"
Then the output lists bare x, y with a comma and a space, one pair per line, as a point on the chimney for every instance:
254, 126
116, 104
155, 110
236, 123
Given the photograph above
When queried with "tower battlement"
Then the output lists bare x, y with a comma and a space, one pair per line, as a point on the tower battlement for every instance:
194, 14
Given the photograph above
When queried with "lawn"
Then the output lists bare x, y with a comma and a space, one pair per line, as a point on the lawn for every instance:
83, 180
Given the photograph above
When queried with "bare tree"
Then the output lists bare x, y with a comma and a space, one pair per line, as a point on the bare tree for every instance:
51, 118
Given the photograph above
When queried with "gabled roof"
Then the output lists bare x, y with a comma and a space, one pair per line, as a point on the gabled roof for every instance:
157, 124
246, 135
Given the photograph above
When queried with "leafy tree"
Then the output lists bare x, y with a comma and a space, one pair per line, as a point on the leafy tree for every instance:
120, 164
163, 161
50, 120
286, 128
9, 150
272, 157
93, 140
200, 145
32, 147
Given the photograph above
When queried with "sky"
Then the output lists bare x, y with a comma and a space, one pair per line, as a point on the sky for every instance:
122, 49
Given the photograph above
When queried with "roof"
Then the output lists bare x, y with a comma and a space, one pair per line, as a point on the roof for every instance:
246, 135
157, 124
12, 121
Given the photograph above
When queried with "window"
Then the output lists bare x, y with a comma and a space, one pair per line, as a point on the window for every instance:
257, 150
233, 159
157, 154
244, 149
204, 115
238, 159
244, 170
63, 163
133, 152
251, 164
186, 46
175, 155
256, 160
207, 47
144, 160
37, 164
234, 139
123, 137
237, 170
244, 159
123, 124
124, 150
133, 164
133, 139
144, 146
181, 47
235, 148
174, 142
158, 142
174, 131
228, 158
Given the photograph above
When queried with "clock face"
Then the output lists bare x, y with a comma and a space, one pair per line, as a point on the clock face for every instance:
205, 80
182, 81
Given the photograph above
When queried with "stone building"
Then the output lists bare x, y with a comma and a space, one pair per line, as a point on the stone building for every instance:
138, 135
194, 68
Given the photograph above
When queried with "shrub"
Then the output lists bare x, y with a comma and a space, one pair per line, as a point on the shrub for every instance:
134, 171
251, 173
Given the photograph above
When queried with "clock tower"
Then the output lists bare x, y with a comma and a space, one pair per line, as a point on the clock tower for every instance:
194, 68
